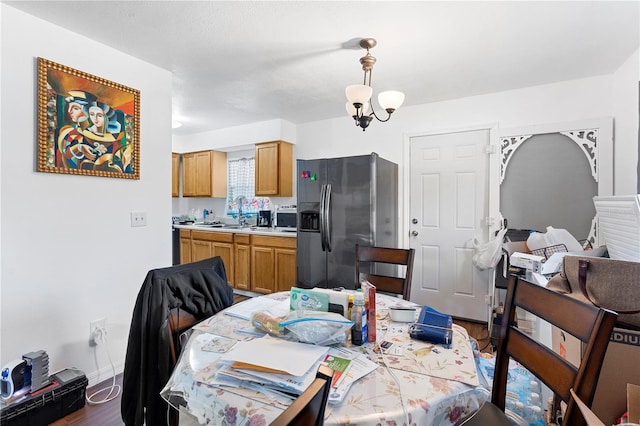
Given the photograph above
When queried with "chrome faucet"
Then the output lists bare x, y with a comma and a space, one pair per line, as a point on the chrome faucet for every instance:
240, 202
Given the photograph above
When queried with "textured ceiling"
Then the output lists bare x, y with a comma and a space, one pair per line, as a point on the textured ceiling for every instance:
240, 62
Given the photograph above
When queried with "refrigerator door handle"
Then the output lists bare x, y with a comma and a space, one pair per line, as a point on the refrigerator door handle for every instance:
323, 191
327, 217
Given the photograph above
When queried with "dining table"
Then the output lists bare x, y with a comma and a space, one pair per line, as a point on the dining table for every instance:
414, 382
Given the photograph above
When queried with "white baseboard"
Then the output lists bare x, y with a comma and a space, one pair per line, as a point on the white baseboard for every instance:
105, 373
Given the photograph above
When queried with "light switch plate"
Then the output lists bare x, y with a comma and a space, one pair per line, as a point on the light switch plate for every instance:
138, 219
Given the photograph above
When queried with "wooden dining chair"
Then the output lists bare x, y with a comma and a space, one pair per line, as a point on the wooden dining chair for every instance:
180, 323
392, 256
308, 408
590, 324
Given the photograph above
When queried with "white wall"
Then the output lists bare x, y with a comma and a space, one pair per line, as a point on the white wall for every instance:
238, 137
567, 101
237, 141
69, 255
625, 110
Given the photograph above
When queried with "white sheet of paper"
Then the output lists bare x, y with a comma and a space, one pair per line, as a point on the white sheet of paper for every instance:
245, 309
291, 357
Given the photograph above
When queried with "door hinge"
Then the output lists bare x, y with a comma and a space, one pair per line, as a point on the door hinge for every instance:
489, 221
490, 149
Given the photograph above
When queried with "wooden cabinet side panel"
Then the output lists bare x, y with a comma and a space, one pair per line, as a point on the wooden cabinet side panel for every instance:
263, 269
285, 269
175, 174
219, 174
285, 164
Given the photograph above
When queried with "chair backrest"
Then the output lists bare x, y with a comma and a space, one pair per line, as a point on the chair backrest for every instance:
179, 322
392, 256
308, 408
590, 324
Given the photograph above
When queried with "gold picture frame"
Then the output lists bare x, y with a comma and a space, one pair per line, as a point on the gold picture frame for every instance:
87, 125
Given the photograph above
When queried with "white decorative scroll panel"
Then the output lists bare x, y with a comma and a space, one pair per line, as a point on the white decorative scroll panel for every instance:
587, 140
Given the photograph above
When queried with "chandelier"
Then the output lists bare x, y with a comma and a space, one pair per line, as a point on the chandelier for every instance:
359, 95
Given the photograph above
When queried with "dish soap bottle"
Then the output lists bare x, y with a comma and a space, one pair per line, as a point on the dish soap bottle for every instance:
359, 318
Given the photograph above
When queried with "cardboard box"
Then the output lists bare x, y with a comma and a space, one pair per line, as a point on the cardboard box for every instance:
633, 403
526, 261
620, 368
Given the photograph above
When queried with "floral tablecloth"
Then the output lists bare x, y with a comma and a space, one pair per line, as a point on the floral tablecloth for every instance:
416, 383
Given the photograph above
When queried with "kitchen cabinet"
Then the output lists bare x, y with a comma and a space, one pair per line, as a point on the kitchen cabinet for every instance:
274, 169
285, 261
273, 263
175, 174
242, 260
257, 263
204, 174
185, 246
206, 244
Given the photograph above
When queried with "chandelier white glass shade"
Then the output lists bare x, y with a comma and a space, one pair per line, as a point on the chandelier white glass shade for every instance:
359, 95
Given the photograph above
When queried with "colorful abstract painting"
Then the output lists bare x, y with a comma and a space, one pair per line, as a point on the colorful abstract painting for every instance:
87, 125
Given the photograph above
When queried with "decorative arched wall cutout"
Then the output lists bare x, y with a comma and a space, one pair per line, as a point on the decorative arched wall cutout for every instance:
595, 146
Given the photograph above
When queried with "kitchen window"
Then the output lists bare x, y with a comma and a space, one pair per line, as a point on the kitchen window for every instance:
241, 175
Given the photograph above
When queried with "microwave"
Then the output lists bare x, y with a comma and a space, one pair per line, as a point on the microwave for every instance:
287, 219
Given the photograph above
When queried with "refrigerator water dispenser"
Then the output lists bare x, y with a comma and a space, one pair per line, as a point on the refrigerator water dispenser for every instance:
310, 221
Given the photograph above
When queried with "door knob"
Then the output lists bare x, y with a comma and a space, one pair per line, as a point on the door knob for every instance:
414, 233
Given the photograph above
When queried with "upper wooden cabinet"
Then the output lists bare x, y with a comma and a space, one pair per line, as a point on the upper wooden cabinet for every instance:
175, 174
274, 169
204, 174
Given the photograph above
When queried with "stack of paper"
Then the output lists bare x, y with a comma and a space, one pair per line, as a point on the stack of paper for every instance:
267, 361
265, 365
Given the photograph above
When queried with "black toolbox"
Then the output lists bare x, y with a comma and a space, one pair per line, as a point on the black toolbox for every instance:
63, 396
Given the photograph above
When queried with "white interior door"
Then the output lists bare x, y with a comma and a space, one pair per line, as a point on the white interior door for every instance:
448, 204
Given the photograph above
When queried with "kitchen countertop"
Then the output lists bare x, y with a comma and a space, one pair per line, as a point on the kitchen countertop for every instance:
252, 230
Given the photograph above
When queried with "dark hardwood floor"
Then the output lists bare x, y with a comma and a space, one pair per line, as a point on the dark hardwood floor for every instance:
108, 414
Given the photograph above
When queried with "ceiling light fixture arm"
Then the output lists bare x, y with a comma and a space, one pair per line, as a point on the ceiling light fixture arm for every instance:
359, 96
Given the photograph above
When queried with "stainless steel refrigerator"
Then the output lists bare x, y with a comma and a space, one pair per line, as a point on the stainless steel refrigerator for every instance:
341, 202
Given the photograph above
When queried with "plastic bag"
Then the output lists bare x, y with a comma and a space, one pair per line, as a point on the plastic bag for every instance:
316, 327
268, 323
488, 254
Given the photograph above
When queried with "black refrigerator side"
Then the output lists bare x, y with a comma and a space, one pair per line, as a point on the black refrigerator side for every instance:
311, 255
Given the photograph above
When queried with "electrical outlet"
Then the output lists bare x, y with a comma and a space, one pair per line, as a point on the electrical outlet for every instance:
138, 219
93, 327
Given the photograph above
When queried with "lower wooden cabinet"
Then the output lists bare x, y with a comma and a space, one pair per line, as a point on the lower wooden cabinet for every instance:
273, 263
185, 246
257, 263
206, 244
242, 252
286, 264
